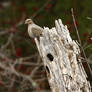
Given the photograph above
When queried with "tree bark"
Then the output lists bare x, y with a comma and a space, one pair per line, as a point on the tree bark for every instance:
60, 55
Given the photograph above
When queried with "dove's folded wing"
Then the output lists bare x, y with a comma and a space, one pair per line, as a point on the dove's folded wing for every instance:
37, 31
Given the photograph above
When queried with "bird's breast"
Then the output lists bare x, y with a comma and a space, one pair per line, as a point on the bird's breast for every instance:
30, 32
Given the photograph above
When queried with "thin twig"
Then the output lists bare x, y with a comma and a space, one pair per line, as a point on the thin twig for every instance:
8, 42
89, 18
86, 47
80, 40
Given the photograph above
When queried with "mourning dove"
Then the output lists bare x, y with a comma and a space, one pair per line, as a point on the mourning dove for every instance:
33, 29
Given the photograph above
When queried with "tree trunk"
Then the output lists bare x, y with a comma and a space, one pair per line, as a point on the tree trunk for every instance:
60, 55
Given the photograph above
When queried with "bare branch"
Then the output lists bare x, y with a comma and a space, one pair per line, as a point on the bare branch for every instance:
80, 41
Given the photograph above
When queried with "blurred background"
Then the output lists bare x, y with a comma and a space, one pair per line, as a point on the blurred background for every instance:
21, 68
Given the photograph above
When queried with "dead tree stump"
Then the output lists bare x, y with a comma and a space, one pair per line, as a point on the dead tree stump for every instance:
60, 53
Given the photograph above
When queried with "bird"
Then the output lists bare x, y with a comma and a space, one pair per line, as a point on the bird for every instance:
34, 30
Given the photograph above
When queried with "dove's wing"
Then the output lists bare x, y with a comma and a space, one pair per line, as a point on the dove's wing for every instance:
34, 30
37, 31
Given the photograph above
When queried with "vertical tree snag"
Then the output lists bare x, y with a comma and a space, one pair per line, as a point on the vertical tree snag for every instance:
60, 56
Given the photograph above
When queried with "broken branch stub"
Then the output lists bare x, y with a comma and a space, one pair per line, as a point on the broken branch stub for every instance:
59, 53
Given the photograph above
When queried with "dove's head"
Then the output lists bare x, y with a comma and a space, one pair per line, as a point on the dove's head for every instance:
28, 21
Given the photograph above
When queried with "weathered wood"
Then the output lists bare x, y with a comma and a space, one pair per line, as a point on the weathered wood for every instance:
60, 56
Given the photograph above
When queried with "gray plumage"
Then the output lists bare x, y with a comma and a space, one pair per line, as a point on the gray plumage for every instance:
33, 29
